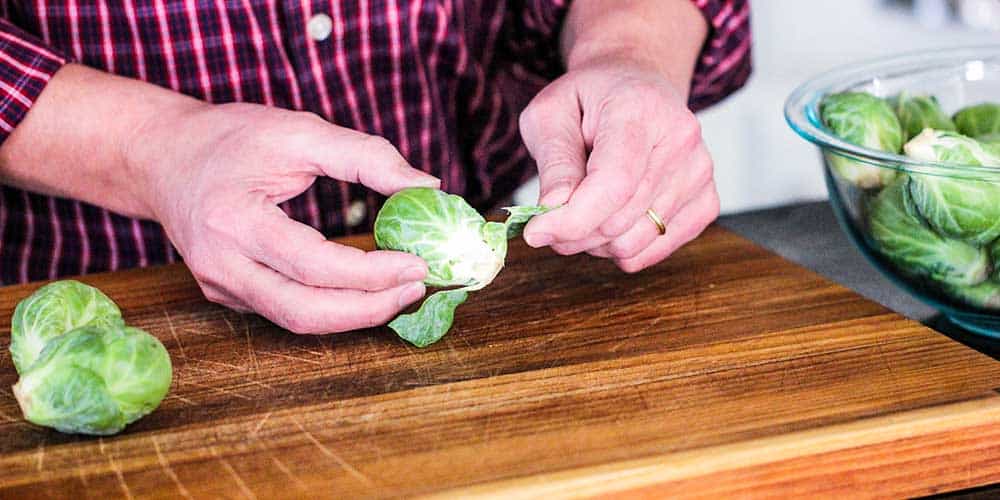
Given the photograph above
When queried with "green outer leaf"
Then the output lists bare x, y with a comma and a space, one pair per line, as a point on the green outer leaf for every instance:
519, 217
865, 120
915, 248
917, 112
432, 321
978, 120
959, 208
53, 310
95, 380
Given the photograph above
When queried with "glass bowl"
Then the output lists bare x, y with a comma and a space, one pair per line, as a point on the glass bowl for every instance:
957, 78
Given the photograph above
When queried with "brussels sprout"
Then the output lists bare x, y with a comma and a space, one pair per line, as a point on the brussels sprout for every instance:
461, 248
53, 310
985, 295
902, 237
956, 207
95, 380
979, 120
917, 112
864, 120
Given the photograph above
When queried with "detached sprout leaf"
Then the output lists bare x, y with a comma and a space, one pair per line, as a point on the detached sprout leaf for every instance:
864, 120
432, 320
956, 207
95, 380
52, 310
461, 248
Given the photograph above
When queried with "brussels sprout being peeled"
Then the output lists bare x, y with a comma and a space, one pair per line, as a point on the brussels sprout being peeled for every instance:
918, 112
53, 310
461, 248
95, 380
979, 120
864, 120
956, 207
903, 238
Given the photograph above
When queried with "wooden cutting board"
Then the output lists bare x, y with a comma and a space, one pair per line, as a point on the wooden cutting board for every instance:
725, 370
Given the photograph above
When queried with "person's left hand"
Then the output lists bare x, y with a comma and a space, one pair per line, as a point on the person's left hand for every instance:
613, 139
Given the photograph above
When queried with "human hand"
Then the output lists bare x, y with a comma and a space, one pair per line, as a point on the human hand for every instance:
613, 138
213, 176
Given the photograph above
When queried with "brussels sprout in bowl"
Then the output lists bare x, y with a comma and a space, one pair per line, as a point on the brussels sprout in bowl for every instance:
911, 153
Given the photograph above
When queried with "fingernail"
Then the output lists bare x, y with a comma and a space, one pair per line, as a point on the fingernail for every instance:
428, 181
538, 239
415, 273
411, 294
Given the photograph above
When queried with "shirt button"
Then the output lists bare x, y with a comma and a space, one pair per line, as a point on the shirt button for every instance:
320, 26
356, 212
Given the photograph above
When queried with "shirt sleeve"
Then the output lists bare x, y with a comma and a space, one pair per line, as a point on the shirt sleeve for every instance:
725, 62
531, 36
26, 65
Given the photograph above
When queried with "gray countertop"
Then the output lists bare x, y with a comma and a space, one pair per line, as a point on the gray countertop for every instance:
808, 235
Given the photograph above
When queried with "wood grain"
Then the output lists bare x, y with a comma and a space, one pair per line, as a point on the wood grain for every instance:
725, 370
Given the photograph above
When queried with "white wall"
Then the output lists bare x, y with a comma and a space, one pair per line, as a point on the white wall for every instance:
759, 161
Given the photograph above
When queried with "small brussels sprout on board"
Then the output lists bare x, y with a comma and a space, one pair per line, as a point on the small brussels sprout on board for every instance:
82, 369
53, 310
864, 120
95, 379
903, 238
979, 120
956, 207
461, 248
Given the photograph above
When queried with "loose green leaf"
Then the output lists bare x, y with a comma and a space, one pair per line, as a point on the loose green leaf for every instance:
52, 310
917, 112
434, 318
956, 207
95, 380
917, 250
864, 120
519, 217
979, 120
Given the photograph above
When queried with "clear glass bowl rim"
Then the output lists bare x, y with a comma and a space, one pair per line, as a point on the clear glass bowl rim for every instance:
802, 105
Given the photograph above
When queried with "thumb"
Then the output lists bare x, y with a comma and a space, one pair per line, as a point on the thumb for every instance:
371, 160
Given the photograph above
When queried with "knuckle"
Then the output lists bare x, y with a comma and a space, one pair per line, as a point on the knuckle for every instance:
299, 324
378, 146
616, 194
625, 248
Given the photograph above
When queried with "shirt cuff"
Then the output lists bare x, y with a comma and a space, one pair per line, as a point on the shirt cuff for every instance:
26, 66
724, 63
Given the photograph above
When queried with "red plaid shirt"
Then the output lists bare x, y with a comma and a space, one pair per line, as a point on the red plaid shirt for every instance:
444, 80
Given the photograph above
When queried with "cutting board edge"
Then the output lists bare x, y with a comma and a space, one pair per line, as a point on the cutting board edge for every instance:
662, 474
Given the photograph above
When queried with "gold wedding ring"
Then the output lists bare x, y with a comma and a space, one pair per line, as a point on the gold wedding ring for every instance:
656, 220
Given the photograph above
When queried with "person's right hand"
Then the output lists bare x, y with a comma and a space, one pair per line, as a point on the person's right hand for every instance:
213, 177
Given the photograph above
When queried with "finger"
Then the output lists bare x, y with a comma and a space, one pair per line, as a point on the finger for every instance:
310, 310
688, 181
685, 168
219, 296
600, 252
303, 254
373, 161
690, 221
550, 129
616, 164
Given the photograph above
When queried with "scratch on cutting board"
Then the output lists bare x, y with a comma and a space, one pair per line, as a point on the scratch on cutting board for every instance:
254, 367
40, 456
116, 468
165, 464
236, 477
80, 473
260, 424
284, 468
294, 358
220, 390
649, 327
330, 453
227, 365
182, 399
173, 332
